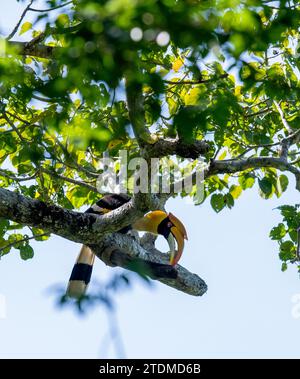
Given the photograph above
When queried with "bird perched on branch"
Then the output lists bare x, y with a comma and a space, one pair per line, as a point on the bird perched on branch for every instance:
156, 222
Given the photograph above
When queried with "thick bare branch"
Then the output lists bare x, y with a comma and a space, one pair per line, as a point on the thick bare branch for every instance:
75, 226
124, 251
231, 166
167, 146
93, 230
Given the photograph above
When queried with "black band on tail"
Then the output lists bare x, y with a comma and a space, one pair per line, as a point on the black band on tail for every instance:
82, 271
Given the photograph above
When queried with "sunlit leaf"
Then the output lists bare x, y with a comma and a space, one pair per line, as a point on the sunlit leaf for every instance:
25, 27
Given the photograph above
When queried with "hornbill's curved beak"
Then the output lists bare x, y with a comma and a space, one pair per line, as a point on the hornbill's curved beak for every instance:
160, 222
178, 234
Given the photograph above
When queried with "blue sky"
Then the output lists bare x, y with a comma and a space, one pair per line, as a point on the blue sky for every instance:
247, 311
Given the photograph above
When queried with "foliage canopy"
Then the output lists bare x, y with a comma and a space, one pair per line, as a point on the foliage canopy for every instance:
223, 71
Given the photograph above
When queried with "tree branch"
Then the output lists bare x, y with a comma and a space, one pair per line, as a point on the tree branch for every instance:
283, 119
75, 226
231, 166
17, 178
50, 9
51, 173
164, 147
92, 230
194, 82
287, 142
25, 239
126, 252
14, 31
70, 180
15, 129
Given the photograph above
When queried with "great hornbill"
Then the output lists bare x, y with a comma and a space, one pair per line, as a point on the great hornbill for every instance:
156, 222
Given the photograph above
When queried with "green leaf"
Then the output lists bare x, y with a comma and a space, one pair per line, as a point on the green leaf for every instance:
16, 239
26, 252
25, 27
265, 185
78, 196
283, 182
37, 231
62, 20
284, 266
287, 251
188, 120
278, 232
191, 98
246, 181
235, 191
229, 200
217, 202
4, 224
293, 235
4, 249
290, 215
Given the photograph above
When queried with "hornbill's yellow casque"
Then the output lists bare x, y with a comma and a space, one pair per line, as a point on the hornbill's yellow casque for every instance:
156, 222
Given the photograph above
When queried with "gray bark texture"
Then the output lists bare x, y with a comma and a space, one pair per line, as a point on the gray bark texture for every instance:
98, 232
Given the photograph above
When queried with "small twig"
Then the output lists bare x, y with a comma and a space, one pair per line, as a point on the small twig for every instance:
193, 82
287, 142
15, 29
264, 146
76, 165
257, 104
25, 239
262, 111
217, 152
50, 9
16, 178
15, 129
70, 180
46, 100
17, 117
51, 173
283, 119
295, 162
